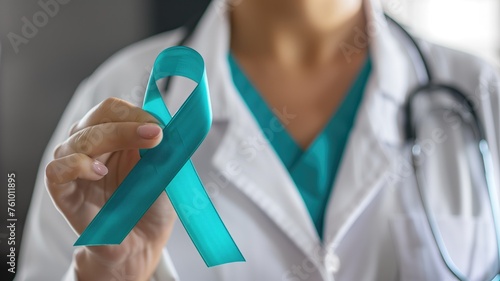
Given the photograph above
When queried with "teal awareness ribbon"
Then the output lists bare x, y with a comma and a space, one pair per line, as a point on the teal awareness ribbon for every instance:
168, 167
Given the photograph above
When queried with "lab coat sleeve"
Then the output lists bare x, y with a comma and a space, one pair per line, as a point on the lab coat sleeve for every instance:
164, 272
47, 244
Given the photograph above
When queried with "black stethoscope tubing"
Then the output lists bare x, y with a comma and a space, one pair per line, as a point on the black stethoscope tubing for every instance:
411, 137
410, 133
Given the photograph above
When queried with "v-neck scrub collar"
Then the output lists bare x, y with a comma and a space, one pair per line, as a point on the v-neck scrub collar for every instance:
313, 169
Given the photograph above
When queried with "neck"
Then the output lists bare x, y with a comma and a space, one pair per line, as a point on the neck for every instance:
294, 33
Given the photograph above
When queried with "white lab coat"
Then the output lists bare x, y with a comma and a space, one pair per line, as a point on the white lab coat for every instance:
374, 228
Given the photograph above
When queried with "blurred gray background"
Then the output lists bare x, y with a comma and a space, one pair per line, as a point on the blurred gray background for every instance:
37, 81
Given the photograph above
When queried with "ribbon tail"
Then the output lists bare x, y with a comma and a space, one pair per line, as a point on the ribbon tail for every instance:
167, 167
200, 218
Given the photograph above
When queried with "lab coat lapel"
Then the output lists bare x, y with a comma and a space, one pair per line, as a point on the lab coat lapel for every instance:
367, 162
364, 166
248, 161
244, 156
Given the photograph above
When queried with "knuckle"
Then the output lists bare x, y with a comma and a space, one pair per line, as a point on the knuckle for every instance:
87, 140
109, 102
48, 170
74, 162
121, 133
54, 173
106, 128
78, 158
74, 128
64, 169
83, 136
82, 140
51, 187
57, 151
118, 108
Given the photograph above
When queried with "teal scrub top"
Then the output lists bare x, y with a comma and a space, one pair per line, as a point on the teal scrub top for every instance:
313, 170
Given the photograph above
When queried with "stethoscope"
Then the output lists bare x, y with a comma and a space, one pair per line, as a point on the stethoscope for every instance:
426, 86
469, 115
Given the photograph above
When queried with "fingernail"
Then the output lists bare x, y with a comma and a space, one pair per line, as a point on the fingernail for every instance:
99, 168
148, 131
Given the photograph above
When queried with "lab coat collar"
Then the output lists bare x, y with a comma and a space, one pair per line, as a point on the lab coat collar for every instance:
211, 39
261, 175
390, 59
390, 67
243, 145
368, 161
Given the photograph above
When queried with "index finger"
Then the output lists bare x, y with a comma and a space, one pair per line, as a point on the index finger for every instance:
113, 110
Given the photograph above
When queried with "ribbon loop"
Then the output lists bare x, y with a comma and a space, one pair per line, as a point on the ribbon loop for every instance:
168, 167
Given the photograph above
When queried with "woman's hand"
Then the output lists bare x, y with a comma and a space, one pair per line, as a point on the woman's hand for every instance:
87, 168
